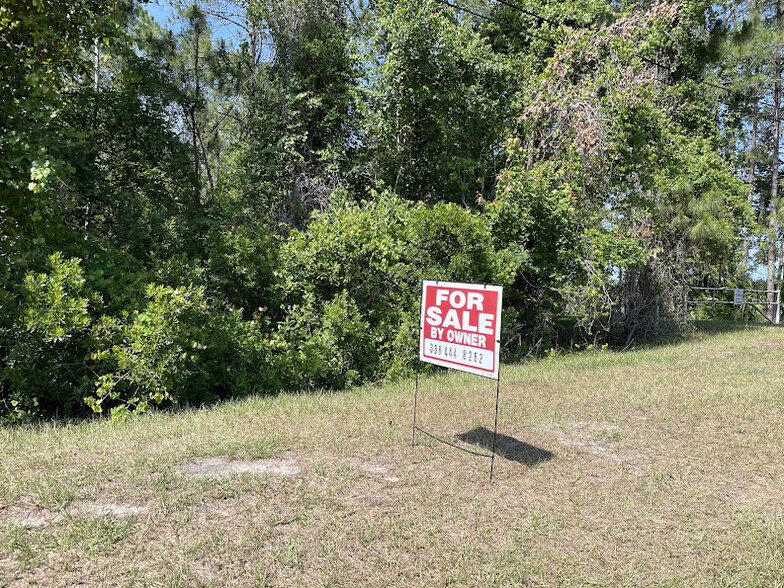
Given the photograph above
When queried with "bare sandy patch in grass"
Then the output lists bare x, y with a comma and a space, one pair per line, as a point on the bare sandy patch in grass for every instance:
757, 495
380, 470
102, 508
29, 518
216, 467
596, 438
36, 518
768, 345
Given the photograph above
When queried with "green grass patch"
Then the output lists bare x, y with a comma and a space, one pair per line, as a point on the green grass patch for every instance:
655, 467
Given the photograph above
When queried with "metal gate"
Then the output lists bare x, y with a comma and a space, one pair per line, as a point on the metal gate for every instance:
742, 297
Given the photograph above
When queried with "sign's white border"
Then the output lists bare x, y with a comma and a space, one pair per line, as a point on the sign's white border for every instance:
497, 334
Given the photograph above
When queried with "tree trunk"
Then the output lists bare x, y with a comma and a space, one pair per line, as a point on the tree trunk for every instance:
752, 169
196, 191
779, 275
207, 169
195, 149
255, 44
96, 64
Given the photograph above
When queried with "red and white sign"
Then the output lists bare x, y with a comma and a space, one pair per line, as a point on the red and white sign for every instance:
460, 327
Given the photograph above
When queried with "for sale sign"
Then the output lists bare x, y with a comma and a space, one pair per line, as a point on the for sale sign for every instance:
460, 326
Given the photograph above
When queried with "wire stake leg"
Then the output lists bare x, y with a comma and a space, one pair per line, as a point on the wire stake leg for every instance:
416, 394
495, 424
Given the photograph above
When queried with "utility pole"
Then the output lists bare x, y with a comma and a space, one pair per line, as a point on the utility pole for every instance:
773, 221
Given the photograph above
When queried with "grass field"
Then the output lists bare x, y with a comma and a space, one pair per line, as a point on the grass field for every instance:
655, 467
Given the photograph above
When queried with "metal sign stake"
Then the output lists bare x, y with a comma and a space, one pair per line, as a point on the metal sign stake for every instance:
495, 423
416, 394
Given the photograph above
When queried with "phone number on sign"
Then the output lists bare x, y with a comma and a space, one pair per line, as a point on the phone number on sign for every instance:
458, 354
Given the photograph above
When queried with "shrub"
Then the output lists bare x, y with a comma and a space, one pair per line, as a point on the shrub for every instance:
350, 284
534, 223
44, 369
178, 350
241, 265
151, 357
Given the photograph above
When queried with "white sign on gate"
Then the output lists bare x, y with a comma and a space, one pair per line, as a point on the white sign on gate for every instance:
460, 327
738, 296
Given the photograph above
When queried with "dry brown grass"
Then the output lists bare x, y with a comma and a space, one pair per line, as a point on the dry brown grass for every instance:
651, 468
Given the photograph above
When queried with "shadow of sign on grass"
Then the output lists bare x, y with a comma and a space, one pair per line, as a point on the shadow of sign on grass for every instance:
506, 447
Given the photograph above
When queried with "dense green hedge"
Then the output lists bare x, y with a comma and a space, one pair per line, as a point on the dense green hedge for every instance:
351, 284
332, 305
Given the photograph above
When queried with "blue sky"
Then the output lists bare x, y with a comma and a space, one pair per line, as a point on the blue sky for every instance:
161, 11
166, 15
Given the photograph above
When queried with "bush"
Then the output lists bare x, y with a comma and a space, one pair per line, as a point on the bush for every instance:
177, 350
151, 357
241, 266
534, 222
350, 284
66, 349
341, 308
44, 369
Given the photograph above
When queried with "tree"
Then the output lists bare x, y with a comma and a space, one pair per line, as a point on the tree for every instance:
295, 109
618, 112
756, 36
435, 106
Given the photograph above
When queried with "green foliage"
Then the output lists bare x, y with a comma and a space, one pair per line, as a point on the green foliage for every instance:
534, 223
150, 357
177, 350
623, 137
435, 114
52, 310
331, 344
182, 218
39, 40
535, 212
351, 283
241, 264
615, 251
47, 342
298, 111
700, 207
609, 258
